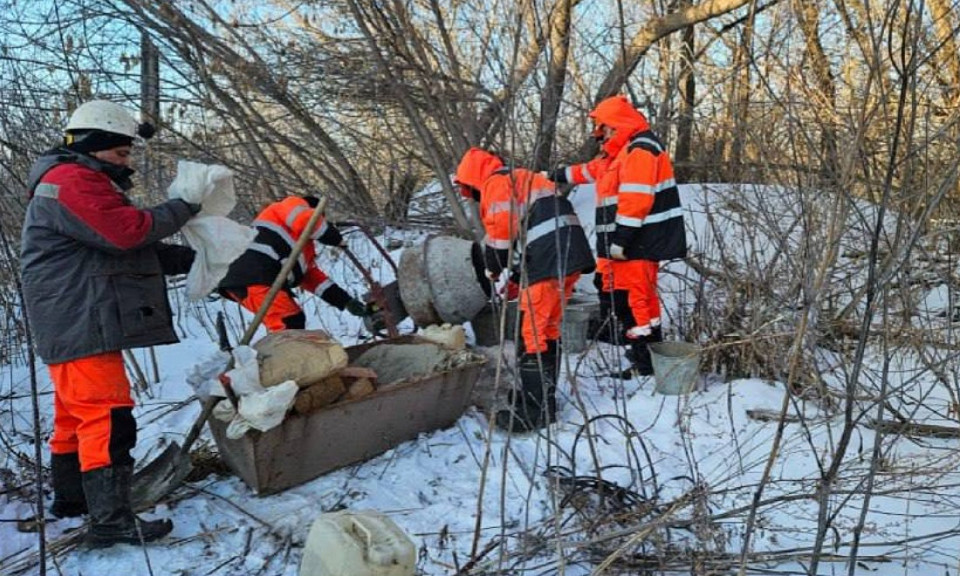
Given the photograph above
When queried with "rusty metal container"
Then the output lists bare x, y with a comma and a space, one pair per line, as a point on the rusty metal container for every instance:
304, 447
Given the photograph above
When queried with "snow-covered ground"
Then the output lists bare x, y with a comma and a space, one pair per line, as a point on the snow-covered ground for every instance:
693, 462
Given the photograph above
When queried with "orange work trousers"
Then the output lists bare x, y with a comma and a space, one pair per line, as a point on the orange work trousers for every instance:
639, 279
284, 312
542, 306
604, 269
93, 411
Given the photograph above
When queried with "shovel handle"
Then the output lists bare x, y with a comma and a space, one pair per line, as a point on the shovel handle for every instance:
278, 283
197, 427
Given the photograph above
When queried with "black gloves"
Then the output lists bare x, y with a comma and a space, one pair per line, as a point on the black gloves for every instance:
194, 208
175, 259
558, 175
357, 308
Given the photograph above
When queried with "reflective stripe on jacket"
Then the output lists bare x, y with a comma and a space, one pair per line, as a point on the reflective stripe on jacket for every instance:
92, 276
649, 219
279, 227
638, 205
554, 244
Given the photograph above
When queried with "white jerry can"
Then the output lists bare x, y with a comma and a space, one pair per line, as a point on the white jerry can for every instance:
357, 543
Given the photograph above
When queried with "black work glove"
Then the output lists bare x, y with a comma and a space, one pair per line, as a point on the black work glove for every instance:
194, 208
175, 259
558, 175
374, 319
358, 308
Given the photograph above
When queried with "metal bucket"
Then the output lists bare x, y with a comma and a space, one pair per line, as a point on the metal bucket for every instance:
486, 324
577, 316
438, 281
675, 366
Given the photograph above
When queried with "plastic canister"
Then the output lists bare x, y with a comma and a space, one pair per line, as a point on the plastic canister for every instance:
357, 543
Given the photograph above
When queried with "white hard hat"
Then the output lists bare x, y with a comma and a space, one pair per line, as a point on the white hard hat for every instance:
103, 115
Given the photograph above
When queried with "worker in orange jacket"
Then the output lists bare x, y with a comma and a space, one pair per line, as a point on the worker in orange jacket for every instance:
639, 220
250, 276
519, 206
614, 305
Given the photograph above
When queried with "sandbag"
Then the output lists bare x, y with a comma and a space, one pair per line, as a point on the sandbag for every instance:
359, 388
448, 335
319, 395
304, 356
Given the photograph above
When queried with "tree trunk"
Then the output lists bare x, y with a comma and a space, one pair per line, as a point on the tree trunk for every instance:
947, 57
559, 42
739, 102
655, 29
687, 85
807, 13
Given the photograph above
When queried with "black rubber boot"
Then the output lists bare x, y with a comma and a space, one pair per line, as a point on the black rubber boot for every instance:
656, 336
529, 411
111, 515
625, 320
68, 499
640, 362
641, 357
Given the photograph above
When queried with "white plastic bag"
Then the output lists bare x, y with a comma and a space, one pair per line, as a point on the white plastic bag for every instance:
266, 409
204, 377
217, 239
259, 410
245, 375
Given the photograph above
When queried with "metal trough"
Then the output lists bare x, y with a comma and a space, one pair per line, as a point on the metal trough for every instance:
304, 447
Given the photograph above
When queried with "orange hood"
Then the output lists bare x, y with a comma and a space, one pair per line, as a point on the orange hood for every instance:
617, 113
476, 166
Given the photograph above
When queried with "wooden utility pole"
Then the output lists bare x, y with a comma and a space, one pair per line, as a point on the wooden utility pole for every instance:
149, 80
149, 104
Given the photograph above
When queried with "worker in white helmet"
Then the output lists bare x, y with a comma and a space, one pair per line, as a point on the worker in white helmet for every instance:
93, 273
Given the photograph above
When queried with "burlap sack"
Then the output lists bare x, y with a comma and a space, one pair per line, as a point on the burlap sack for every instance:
304, 356
319, 395
358, 389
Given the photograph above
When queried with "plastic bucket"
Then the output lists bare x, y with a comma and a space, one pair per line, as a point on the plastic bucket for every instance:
675, 366
486, 325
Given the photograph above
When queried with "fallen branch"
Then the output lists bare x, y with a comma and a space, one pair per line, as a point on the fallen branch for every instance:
913, 429
763, 415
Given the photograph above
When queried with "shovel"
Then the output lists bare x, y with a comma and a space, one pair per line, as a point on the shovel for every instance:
165, 472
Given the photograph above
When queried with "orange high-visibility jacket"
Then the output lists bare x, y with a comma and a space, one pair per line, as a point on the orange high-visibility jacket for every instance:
638, 204
520, 205
279, 226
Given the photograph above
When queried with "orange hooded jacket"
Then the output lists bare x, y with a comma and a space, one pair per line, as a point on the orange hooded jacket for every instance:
279, 226
512, 198
638, 205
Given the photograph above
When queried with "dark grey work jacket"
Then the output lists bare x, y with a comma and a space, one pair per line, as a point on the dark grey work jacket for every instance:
91, 261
